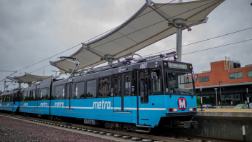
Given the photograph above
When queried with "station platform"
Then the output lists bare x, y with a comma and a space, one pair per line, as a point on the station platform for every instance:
225, 112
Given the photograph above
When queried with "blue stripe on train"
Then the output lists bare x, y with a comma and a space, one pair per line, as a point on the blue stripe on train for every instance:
9, 106
109, 109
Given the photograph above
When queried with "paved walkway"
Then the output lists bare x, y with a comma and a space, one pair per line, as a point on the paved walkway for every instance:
225, 110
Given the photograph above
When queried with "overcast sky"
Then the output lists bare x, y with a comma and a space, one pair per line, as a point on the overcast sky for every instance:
33, 30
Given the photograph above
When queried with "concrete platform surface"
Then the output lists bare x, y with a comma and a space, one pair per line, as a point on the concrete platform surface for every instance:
225, 110
220, 112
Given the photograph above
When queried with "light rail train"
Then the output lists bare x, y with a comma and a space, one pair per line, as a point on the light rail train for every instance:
138, 96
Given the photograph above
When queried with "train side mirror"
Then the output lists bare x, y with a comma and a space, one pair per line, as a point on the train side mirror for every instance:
154, 75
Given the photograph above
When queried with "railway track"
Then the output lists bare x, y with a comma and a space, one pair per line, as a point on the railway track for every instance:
157, 136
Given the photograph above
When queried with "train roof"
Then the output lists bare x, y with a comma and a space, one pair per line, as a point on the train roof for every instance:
116, 69
7, 92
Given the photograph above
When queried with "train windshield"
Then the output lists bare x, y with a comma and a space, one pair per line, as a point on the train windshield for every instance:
179, 83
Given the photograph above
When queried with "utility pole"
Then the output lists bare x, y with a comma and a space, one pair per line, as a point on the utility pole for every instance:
5, 86
216, 96
220, 89
55, 72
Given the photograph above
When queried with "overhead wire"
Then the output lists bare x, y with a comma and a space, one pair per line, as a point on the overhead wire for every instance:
113, 39
217, 47
6, 71
250, 28
42, 61
80, 44
41, 68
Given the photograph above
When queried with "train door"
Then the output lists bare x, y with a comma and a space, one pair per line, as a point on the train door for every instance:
143, 101
126, 92
11, 102
1, 102
121, 89
33, 101
38, 95
14, 102
69, 93
117, 92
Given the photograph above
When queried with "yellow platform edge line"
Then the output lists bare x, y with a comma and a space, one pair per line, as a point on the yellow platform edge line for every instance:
224, 111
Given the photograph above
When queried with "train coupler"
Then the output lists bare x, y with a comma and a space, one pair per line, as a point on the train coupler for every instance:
190, 124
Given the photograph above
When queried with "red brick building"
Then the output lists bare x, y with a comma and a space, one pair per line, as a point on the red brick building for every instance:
229, 79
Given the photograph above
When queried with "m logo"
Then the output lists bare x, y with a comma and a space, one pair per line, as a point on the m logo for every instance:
182, 103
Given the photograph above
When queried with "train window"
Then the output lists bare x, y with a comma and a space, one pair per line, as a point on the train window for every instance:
7, 98
104, 87
179, 83
43, 94
91, 88
79, 90
26, 96
144, 86
32, 94
69, 91
21, 98
59, 92
14, 97
11, 97
156, 81
116, 86
127, 85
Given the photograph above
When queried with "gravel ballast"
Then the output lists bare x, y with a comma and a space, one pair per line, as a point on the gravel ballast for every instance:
12, 130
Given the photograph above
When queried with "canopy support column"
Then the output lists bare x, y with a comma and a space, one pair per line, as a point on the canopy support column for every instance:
19, 84
179, 24
179, 43
109, 58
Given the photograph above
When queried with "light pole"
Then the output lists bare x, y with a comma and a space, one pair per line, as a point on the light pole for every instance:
216, 96
247, 97
55, 72
220, 90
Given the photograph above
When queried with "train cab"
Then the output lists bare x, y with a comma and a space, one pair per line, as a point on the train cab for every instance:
9, 100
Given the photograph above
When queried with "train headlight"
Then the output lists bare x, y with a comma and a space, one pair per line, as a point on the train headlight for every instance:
192, 109
176, 56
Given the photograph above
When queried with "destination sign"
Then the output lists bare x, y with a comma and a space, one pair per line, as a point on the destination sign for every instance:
177, 66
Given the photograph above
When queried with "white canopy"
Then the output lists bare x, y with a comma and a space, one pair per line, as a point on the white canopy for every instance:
147, 26
28, 78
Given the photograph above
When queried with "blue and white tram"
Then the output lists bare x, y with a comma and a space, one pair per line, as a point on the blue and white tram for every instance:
36, 99
134, 96
9, 100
